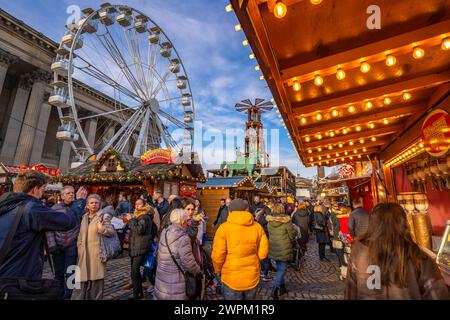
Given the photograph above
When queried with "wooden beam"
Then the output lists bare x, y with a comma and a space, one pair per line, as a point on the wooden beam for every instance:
362, 118
355, 136
290, 67
369, 92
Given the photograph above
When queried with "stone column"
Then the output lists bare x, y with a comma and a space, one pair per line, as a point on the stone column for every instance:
64, 160
41, 131
26, 138
6, 59
16, 118
110, 131
90, 129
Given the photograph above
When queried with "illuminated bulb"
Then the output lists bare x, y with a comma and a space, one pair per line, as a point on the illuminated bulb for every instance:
334, 113
331, 134
311, 159
344, 131
361, 141
418, 52
340, 145
303, 120
251, 56
351, 109
237, 27
318, 117
358, 128
257, 68
319, 149
364, 149
387, 100
296, 86
371, 125
445, 45
307, 139
413, 149
318, 80
319, 157
261, 77
359, 156
315, 2
351, 143
346, 153
365, 67
385, 121
350, 157
330, 147
337, 154
245, 42
421, 145
390, 60
280, 10
369, 104
335, 160
309, 151
354, 151
340, 74
319, 136
373, 139
406, 95
229, 8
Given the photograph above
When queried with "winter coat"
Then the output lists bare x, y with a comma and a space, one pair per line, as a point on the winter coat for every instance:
162, 208
321, 220
141, 234
281, 237
25, 258
358, 222
223, 216
169, 282
58, 241
238, 248
426, 283
91, 267
300, 218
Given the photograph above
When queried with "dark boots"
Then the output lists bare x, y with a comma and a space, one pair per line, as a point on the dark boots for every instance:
275, 293
283, 289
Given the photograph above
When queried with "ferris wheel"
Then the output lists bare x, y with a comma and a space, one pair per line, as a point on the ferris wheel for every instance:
128, 60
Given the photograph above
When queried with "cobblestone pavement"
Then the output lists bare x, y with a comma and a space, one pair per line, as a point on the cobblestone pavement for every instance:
316, 279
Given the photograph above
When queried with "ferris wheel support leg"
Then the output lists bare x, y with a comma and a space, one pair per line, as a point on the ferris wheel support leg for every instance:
142, 133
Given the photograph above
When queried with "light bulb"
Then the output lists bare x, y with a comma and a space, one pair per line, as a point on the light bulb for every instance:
319, 158
335, 160
355, 151
337, 154
229, 8
319, 149
330, 147
257, 68
340, 145
311, 159
346, 153
350, 157
406, 95
358, 128
371, 125
307, 139
359, 156
390, 60
303, 120
445, 45
261, 77
364, 150
245, 42
340, 74
351, 109
280, 9
361, 141
374, 139
369, 105
365, 67
251, 56
335, 113
331, 134
318, 80
328, 156
350, 143
318, 117
296, 86
309, 151
385, 121
237, 27
387, 100
319, 136
344, 131
418, 52
315, 2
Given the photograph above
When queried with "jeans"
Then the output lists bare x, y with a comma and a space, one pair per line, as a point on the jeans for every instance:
230, 294
281, 271
136, 277
61, 261
265, 266
340, 255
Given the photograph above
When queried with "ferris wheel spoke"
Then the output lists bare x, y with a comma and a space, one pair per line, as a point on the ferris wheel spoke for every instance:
152, 54
174, 120
168, 140
97, 115
161, 83
141, 142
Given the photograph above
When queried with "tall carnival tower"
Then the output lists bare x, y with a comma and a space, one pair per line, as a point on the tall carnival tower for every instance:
254, 139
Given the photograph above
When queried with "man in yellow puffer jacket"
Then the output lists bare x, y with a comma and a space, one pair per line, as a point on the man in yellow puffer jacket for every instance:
239, 246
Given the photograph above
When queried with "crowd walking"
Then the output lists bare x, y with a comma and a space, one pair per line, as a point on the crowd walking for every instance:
167, 245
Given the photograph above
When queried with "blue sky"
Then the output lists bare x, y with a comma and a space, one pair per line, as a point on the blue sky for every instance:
217, 63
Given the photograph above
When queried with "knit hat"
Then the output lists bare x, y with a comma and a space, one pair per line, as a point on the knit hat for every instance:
238, 205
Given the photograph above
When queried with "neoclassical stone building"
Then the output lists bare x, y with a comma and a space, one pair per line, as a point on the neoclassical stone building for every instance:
28, 123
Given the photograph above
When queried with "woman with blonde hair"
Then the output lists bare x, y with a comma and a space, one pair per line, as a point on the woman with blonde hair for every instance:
321, 230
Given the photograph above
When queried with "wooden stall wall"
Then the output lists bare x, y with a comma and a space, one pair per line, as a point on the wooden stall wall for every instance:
438, 201
210, 199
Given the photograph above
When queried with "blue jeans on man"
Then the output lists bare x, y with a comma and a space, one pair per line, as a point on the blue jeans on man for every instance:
61, 261
230, 294
281, 271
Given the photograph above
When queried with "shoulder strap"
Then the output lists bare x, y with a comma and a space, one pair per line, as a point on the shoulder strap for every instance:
171, 255
8, 241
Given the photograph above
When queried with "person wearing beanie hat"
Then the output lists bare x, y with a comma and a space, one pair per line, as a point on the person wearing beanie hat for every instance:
240, 244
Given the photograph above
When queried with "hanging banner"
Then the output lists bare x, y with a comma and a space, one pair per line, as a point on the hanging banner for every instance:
41, 168
157, 156
436, 133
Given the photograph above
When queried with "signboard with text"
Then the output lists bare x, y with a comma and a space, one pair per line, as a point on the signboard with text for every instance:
157, 156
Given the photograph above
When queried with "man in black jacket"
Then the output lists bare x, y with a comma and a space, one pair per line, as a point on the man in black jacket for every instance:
161, 203
25, 257
358, 221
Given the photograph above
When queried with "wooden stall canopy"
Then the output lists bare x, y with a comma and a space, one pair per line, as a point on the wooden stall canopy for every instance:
341, 86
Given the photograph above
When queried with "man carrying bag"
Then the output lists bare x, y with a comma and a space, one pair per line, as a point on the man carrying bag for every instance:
23, 223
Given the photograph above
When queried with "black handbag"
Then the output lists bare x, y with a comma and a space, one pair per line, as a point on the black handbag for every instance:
190, 280
26, 289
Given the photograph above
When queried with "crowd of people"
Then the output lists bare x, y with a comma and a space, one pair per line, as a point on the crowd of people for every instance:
166, 242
